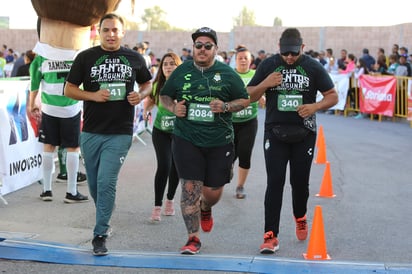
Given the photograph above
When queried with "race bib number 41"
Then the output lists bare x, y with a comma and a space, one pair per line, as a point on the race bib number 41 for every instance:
117, 90
288, 102
200, 113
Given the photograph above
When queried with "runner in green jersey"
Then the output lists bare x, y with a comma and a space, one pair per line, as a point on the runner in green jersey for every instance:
202, 94
162, 140
245, 122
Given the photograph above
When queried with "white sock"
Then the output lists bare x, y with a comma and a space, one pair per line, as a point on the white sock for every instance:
48, 163
72, 166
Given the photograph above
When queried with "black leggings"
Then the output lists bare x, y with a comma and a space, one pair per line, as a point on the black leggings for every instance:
245, 135
277, 156
162, 142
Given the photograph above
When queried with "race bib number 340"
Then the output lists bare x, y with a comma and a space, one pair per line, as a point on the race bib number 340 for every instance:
117, 90
288, 102
200, 113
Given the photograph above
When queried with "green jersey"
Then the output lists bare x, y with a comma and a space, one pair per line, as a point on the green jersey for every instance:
164, 119
198, 88
252, 110
49, 76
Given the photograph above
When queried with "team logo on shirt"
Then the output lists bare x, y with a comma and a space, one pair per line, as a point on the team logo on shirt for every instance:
217, 77
111, 69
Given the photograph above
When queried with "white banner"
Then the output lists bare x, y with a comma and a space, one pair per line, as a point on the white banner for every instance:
342, 85
20, 151
341, 82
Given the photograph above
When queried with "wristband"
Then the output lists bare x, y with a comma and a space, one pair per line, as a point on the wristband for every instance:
226, 107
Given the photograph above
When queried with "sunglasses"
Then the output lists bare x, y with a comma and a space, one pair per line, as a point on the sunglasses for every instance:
208, 46
294, 54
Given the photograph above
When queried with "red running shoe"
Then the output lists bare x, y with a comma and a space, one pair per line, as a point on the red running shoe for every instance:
301, 228
192, 246
206, 220
270, 243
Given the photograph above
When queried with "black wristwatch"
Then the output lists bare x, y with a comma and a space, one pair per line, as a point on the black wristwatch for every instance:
226, 107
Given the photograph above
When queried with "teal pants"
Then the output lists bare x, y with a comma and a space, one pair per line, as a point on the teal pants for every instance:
104, 155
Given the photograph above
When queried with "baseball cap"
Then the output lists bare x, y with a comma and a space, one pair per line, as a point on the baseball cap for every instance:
290, 44
205, 31
290, 41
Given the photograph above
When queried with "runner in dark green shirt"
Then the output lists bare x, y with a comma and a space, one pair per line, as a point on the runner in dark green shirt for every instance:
202, 94
196, 89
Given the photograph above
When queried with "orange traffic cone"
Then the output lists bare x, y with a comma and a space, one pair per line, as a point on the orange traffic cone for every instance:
317, 243
320, 133
321, 147
326, 189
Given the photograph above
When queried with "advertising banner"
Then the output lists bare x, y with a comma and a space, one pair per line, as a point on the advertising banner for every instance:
20, 151
377, 94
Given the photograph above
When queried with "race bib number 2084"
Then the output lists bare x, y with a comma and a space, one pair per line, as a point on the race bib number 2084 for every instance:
200, 113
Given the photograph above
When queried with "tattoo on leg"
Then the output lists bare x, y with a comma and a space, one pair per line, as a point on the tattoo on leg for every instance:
190, 204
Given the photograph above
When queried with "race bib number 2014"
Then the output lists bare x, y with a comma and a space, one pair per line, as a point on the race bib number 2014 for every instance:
244, 113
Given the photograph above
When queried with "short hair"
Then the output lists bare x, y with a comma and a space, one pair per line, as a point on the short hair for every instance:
111, 16
240, 48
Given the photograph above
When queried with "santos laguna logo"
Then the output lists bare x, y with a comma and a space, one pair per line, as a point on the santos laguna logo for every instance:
376, 95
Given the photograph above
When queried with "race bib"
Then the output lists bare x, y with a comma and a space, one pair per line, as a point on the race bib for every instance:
117, 90
288, 102
200, 113
244, 113
167, 123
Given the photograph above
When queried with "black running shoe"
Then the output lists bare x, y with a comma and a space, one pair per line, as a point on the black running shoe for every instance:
99, 246
46, 196
62, 178
81, 177
78, 198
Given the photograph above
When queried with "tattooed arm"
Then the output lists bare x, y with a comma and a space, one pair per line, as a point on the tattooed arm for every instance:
236, 105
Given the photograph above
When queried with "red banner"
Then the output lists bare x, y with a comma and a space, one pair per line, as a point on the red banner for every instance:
409, 100
377, 94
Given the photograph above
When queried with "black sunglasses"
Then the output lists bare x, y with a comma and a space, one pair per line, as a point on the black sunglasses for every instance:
208, 46
294, 54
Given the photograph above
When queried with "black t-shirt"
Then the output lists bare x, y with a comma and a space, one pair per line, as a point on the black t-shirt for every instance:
117, 71
301, 80
23, 70
257, 62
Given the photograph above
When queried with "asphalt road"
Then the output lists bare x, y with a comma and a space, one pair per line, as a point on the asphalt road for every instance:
367, 222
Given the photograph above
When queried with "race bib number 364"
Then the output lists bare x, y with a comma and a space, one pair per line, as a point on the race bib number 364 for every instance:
288, 102
117, 90
200, 113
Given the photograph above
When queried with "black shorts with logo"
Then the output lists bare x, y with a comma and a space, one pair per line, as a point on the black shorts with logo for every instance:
64, 132
211, 165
